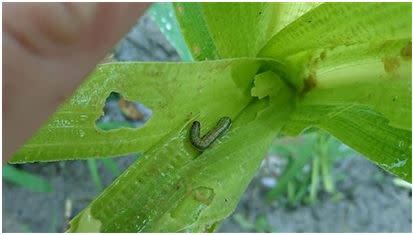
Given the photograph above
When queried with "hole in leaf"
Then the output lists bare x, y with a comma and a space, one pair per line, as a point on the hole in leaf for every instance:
119, 113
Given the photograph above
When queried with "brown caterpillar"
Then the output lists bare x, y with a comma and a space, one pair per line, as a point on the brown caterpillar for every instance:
204, 142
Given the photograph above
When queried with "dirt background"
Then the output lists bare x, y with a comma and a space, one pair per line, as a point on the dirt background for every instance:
369, 202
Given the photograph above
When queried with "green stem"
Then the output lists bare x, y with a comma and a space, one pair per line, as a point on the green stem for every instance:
314, 180
94, 173
291, 192
111, 165
326, 164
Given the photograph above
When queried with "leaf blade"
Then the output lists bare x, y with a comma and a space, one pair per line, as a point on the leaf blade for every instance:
333, 24
165, 88
25, 179
195, 191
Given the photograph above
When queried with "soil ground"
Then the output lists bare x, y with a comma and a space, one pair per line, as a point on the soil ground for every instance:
370, 201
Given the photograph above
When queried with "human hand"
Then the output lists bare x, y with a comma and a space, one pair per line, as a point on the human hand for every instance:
48, 49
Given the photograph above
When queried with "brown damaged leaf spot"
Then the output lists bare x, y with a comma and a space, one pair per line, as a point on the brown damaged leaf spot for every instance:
309, 83
406, 51
391, 65
180, 10
204, 195
196, 50
152, 72
322, 56
315, 61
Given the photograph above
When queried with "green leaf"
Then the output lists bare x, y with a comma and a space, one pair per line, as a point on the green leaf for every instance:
165, 88
111, 165
25, 179
93, 169
195, 31
163, 14
364, 130
172, 187
335, 24
228, 30
241, 30
265, 84
336, 56
362, 95
339, 56
378, 76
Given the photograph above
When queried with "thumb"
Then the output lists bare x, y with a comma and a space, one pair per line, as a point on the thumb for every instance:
48, 48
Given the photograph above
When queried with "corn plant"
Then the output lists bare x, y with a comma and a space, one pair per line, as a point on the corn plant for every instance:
309, 163
273, 69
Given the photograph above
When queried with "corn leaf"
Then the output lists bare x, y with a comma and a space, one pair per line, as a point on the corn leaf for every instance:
215, 89
350, 64
163, 14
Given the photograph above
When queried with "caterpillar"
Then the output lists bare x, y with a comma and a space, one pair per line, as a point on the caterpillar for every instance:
204, 142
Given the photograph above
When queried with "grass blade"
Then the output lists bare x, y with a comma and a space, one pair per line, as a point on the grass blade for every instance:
111, 165
25, 179
93, 169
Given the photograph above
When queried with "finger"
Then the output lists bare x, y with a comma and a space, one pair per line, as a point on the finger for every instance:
48, 49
